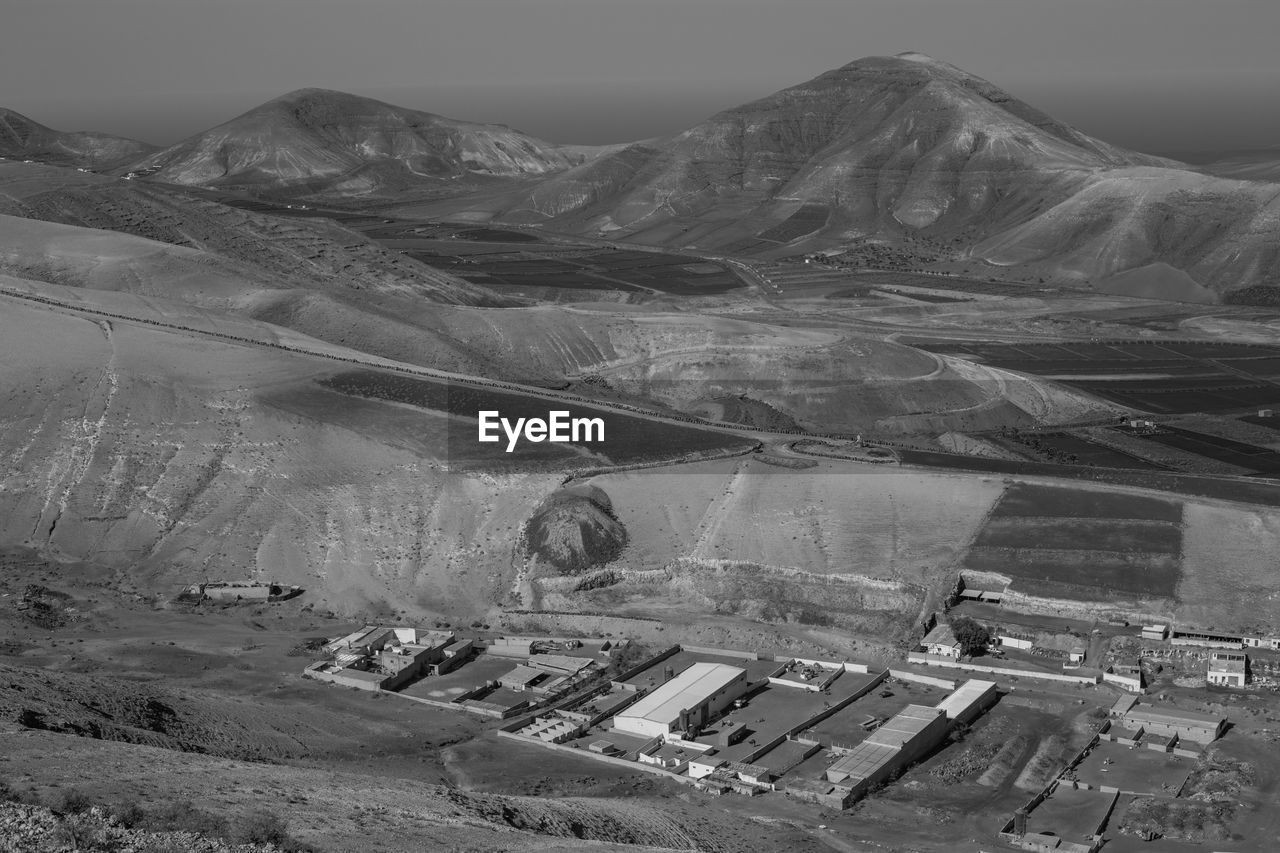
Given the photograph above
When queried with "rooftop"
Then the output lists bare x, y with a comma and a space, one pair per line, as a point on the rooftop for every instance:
687, 690
1176, 716
964, 696
941, 635
1234, 664
908, 723
863, 760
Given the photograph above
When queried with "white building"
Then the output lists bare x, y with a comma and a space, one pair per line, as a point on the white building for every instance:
1228, 669
942, 641
692, 698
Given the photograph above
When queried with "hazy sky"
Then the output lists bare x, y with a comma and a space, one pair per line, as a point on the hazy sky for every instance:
1159, 75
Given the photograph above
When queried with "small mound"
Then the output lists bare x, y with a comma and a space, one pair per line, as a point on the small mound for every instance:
575, 530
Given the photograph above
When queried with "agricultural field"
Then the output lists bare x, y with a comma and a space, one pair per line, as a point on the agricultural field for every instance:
1033, 500
1248, 456
1164, 377
509, 261
1077, 543
808, 219
1082, 450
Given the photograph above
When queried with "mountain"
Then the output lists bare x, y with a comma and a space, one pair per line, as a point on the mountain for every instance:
883, 144
350, 145
1259, 165
934, 163
22, 138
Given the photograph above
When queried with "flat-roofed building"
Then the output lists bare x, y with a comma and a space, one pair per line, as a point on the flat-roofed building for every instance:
969, 700
1187, 725
559, 664
861, 763
1158, 632
692, 698
1228, 669
902, 739
908, 725
523, 678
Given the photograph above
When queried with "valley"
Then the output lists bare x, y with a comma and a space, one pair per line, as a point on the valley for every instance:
882, 362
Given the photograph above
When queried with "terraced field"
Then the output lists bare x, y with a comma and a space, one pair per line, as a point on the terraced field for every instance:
1164, 377
1056, 542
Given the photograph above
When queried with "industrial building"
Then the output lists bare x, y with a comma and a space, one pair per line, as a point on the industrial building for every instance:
902, 739
968, 701
1187, 725
1228, 669
689, 700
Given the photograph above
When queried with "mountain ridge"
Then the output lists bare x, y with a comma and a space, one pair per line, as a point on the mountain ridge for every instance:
23, 137
315, 133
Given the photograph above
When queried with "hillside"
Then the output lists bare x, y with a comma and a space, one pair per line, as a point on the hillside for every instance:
22, 138
887, 143
1262, 165
941, 165
349, 145
315, 254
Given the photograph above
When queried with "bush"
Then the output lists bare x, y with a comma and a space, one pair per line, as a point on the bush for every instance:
71, 801
127, 813
183, 816
260, 827
84, 832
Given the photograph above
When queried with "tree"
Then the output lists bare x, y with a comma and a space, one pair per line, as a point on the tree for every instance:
972, 636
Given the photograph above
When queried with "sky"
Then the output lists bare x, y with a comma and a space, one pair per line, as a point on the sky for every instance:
1157, 75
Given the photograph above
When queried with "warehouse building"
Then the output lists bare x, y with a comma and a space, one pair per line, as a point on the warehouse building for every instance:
689, 700
1187, 725
968, 701
904, 738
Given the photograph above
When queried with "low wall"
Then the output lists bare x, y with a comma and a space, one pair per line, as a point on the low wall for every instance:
1124, 682
726, 653
918, 678
646, 663
596, 756
815, 719
938, 660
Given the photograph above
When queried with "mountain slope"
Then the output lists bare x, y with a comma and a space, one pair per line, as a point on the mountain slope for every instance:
350, 144
22, 138
1261, 165
913, 151
302, 253
887, 143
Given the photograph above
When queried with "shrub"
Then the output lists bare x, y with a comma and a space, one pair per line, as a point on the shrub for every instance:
127, 813
71, 802
183, 816
260, 827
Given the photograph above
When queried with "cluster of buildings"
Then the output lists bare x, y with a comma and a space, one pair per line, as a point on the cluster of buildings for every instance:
698, 724
1228, 662
1071, 650
380, 658
513, 675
